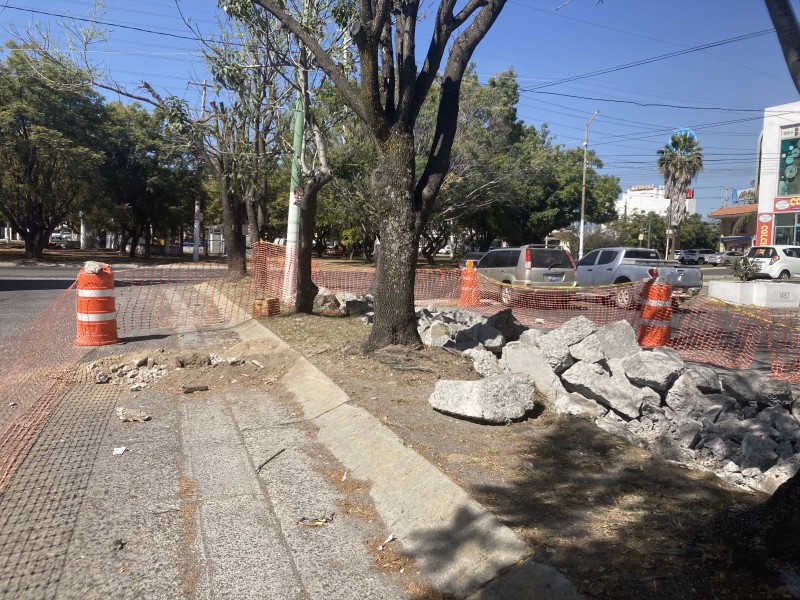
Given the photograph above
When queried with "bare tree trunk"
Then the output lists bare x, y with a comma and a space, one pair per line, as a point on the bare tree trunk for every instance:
232, 227
134, 243
393, 193
252, 218
788, 30
147, 241
306, 288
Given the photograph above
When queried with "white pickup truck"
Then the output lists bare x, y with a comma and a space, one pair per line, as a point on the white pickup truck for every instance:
606, 266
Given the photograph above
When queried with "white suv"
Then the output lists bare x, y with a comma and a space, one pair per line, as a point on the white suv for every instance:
777, 262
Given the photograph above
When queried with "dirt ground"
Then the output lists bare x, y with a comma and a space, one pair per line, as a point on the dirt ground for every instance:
618, 521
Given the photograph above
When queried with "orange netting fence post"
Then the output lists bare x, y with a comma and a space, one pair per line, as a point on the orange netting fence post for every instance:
470, 293
97, 315
655, 324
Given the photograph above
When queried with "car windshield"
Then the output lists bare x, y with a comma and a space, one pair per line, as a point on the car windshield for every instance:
761, 253
544, 258
639, 253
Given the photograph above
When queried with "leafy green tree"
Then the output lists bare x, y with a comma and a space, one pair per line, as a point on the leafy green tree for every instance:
625, 232
696, 233
488, 130
541, 184
150, 180
49, 121
680, 162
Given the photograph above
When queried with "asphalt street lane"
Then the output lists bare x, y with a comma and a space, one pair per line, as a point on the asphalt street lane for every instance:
26, 291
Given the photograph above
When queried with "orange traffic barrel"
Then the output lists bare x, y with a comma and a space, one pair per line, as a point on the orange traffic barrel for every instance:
470, 293
97, 315
655, 320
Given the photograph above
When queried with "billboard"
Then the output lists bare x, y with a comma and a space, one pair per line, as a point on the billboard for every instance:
788, 180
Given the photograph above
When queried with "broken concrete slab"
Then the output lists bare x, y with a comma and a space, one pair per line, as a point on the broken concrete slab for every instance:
496, 399
618, 339
594, 382
652, 369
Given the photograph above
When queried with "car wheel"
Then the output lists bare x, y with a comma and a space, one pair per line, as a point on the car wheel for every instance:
507, 295
625, 297
726, 263
701, 260
784, 275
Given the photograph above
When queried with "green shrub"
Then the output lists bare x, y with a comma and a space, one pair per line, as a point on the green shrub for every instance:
744, 269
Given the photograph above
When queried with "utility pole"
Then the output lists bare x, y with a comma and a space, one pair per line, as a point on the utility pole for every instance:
296, 181
583, 187
198, 215
727, 190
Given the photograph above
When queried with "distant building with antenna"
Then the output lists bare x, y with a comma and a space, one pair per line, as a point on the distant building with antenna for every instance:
647, 198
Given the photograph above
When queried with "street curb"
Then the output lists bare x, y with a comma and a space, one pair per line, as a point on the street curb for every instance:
461, 547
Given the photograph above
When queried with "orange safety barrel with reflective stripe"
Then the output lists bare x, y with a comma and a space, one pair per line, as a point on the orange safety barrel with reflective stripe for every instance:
470, 293
97, 315
655, 322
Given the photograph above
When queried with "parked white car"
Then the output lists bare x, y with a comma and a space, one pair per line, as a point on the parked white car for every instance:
777, 262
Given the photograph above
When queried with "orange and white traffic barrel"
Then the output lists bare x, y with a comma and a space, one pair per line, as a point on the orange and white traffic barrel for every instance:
97, 314
655, 320
470, 293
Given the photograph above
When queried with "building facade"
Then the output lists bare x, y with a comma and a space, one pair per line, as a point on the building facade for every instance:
737, 226
778, 220
647, 198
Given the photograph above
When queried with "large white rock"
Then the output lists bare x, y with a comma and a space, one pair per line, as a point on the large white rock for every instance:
618, 339
588, 349
556, 350
593, 382
531, 362
484, 362
576, 329
653, 369
493, 400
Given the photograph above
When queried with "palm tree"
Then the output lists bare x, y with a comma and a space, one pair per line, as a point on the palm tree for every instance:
679, 162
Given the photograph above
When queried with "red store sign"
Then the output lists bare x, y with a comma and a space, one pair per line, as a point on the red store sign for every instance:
787, 204
764, 229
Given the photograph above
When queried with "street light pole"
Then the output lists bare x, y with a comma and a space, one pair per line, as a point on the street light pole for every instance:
583, 186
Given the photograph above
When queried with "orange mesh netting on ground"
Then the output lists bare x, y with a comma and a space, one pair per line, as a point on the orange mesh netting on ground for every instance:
41, 358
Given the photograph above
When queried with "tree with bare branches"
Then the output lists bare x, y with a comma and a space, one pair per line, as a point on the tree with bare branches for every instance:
388, 97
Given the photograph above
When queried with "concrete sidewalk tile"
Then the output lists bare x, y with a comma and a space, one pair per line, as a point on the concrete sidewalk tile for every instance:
245, 553
460, 546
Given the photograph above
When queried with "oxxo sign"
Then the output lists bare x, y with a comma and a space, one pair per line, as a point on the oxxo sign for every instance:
787, 204
764, 230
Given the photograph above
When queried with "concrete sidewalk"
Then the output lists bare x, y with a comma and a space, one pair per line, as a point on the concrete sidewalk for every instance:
191, 510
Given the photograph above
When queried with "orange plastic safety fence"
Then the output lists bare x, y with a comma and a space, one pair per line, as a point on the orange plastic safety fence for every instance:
551, 307
181, 295
39, 360
707, 330
783, 337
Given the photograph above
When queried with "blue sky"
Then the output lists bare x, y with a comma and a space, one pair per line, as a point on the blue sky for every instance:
719, 92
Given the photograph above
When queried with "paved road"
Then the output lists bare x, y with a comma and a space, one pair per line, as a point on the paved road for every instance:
26, 291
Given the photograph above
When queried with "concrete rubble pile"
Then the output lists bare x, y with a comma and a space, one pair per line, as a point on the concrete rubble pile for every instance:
741, 426
142, 371
137, 375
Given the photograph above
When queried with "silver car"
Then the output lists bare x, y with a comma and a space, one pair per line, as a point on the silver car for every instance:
528, 266
724, 258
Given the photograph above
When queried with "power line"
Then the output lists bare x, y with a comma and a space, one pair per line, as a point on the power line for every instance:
652, 104
99, 22
646, 61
